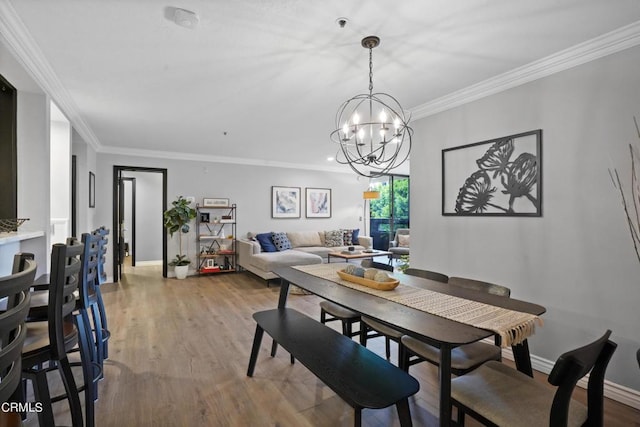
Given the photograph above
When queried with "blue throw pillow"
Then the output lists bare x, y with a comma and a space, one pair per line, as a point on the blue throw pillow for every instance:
354, 236
281, 241
266, 243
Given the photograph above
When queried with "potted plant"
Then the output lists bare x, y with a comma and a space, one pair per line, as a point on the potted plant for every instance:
177, 219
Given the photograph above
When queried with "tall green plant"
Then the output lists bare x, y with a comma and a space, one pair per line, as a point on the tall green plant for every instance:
177, 219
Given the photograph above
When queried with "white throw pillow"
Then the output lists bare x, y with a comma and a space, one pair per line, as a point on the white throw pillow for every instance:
403, 240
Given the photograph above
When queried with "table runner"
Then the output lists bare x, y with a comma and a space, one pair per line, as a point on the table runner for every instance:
512, 326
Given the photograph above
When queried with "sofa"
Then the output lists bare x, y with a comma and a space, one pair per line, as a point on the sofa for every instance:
304, 248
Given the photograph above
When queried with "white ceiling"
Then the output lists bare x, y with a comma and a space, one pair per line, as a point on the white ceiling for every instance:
272, 73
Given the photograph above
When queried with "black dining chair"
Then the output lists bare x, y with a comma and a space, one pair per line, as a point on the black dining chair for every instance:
498, 395
370, 328
330, 311
48, 342
15, 296
464, 358
105, 334
427, 274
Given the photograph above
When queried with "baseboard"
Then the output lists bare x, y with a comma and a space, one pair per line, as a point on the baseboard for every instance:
148, 263
613, 391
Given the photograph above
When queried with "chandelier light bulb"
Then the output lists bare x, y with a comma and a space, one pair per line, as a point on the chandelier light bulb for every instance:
377, 151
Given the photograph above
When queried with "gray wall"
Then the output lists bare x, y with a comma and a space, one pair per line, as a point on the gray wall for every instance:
149, 227
577, 259
249, 187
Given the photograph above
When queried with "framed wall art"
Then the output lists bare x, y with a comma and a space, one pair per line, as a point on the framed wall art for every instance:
209, 202
285, 202
318, 202
498, 177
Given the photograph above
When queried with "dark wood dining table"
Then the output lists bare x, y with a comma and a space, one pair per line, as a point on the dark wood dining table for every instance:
442, 333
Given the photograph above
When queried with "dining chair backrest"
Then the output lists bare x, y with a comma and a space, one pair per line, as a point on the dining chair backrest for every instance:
571, 367
427, 274
367, 263
15, 288
478, 285
89, 268
64, 281
102, 257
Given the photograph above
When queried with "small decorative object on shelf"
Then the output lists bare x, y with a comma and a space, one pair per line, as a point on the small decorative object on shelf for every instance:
216, 237
9, 225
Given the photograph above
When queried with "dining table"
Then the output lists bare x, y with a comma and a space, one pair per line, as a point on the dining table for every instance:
440, 332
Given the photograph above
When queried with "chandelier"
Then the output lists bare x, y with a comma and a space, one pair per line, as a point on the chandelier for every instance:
372, 129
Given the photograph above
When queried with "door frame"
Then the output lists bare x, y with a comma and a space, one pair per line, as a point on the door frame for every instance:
117, 176
132, 244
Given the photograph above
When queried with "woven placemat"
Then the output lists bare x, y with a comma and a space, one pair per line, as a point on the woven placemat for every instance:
512, 326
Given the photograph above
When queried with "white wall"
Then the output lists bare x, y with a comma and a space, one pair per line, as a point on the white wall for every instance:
85, 162
60, 180
577, 260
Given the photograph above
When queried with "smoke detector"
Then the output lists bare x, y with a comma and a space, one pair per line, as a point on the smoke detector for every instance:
185, 18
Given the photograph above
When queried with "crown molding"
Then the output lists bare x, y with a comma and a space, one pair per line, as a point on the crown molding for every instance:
171, 155
598, 47
29, 55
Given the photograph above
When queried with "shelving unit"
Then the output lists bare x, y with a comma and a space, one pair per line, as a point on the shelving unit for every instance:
216, 239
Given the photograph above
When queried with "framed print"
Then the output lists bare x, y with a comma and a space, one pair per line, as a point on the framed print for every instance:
498, 177
214, 203
285, 202
318, 202
92, 190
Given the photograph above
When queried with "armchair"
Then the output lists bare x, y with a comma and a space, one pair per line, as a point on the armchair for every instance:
399, 246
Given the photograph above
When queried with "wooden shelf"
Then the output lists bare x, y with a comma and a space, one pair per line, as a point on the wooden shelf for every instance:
215, 271
217, 255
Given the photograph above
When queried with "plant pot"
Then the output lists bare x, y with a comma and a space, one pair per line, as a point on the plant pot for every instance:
181, 271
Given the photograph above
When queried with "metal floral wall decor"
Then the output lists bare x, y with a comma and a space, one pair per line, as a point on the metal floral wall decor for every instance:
498, 177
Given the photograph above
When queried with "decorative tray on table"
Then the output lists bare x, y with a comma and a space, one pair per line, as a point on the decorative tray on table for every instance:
386, 285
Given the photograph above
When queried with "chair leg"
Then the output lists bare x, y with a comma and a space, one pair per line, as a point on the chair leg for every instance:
404, 413
357, 417
41, 394
72, 391
387, 347
363, 334
346, 328
257, 340
323, 316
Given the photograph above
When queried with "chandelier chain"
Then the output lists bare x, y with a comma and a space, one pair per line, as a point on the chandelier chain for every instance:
370, 71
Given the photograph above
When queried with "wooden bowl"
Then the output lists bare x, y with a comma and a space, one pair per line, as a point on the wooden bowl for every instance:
381, 286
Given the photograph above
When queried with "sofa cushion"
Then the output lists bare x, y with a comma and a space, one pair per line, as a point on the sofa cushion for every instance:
403, 240
304, 238
347, 237
333, 238
266, 242
269, 261
281, 241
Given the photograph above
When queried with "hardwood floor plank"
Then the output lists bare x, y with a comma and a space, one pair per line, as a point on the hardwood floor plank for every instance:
179, 351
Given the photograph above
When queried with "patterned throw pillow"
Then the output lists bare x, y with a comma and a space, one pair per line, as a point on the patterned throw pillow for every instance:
281, 241
403, 240
333, 238
347, 237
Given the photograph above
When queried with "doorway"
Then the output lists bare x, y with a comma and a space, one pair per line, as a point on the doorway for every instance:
121, 198
391, 210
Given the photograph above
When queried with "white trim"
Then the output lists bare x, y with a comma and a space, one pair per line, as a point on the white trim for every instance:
148, 263
613, 391
219, 159
30, 56
598, 47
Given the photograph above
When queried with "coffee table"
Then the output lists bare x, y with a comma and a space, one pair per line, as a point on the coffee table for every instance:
358, 255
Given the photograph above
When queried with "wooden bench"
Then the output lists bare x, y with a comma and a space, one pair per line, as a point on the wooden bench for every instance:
360, 377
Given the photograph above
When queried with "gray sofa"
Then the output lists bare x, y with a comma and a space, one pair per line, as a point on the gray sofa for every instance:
308, 247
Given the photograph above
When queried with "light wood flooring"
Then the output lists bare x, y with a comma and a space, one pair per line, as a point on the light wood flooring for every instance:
179, 352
